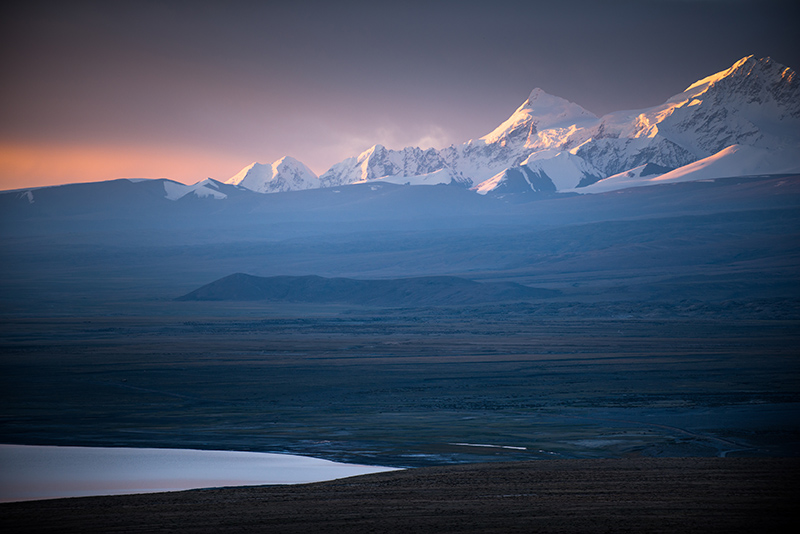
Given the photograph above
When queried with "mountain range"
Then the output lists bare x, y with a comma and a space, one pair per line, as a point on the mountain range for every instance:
744, 120
718, 221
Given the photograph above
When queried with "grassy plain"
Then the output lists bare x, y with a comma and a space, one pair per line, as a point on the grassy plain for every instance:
405, 389
670, 340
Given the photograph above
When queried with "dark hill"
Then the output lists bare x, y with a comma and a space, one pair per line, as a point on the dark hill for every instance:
420, 291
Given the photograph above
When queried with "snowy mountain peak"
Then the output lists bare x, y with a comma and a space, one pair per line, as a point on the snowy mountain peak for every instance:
537, 94
540, 111
542, 102
755, 102
751, 65
285, 160
751, 78
747, 66
288, 162
708, 80
375, 151
285, 174
762, 81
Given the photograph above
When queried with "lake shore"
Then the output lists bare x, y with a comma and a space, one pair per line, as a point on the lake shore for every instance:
33, 472
620, 495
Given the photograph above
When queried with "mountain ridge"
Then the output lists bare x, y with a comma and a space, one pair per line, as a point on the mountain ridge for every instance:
755, 102
399, 292
741, 121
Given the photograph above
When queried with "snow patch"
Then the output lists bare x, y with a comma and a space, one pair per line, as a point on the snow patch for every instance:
204, 189
566, 170
735, 160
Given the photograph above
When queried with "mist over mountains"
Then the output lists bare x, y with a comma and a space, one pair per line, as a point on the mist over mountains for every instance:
550, 199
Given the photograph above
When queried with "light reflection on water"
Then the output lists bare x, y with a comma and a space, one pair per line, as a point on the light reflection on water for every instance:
30, 472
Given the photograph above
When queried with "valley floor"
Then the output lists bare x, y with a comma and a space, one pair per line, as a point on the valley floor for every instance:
665, 352
406, 390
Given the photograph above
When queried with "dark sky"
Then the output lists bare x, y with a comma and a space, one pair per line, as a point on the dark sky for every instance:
193, 89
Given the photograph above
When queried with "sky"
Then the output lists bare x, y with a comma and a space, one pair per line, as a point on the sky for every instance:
187, 90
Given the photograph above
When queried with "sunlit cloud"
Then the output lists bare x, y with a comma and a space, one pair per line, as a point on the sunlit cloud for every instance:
339, 145
436, 137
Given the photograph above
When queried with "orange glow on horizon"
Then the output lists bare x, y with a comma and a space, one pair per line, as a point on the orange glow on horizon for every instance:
23, 166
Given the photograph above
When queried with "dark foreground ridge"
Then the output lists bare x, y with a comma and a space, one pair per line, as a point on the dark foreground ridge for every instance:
633, 495
418, 291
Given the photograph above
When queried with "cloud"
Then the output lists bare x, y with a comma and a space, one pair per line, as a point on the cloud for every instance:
435, 137
425, 136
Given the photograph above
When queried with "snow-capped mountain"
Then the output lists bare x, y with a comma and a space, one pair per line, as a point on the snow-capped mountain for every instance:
754, 103
286, 174
542, 122
735, 160
550, 144
408, 166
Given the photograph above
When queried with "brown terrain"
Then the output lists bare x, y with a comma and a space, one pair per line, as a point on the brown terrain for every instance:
623, 495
